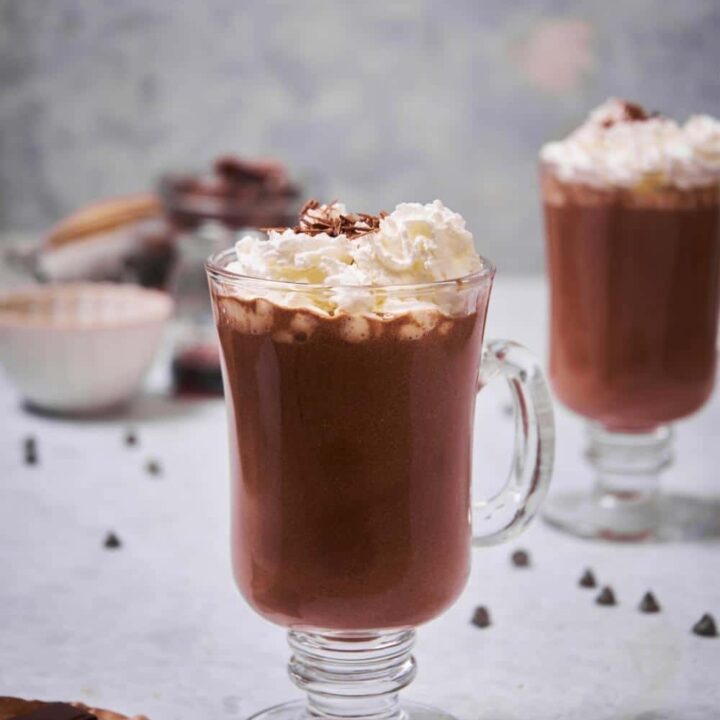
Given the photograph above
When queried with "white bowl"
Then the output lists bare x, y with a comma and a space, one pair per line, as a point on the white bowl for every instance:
81, 347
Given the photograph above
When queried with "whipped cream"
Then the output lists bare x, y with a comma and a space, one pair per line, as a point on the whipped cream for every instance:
414, 244
620, 145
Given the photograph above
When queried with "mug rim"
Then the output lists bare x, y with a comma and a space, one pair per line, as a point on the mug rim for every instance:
216, 270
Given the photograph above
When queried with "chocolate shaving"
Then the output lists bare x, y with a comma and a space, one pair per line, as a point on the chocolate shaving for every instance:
316, 218
632, 112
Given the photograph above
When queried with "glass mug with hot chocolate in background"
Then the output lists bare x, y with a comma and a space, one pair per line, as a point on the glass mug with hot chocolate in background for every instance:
352, 351
632, 219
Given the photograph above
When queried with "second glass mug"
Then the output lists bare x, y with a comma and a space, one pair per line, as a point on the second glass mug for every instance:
351, 445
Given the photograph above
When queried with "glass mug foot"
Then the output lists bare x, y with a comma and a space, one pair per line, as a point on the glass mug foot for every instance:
297, 710
352, 675
665, 518
625, 504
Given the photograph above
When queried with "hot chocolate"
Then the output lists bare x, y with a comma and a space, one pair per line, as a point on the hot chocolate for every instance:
351, 435
352, 462
352, 349
632, 219
633, 257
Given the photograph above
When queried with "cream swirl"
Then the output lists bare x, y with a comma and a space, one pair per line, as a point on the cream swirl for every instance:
414, 244
620, 145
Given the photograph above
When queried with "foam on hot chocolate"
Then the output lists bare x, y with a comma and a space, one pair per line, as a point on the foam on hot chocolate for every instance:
621, 145
346, 257
259, 316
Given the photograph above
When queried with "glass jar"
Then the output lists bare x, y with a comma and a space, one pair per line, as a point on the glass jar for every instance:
206, 212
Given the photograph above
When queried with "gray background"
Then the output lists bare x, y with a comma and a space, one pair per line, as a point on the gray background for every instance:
373, 102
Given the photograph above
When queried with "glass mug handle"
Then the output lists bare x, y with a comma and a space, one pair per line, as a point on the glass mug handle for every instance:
534, 448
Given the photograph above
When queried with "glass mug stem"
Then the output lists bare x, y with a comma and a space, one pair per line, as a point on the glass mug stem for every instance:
627, 477
352, 675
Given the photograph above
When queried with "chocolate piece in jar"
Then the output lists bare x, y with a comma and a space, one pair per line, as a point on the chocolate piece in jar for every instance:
237, 193
205, 210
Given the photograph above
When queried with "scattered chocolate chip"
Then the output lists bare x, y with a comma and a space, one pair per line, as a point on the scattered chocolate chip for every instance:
588, 579
705, 626
606, 597
131, 438
153, 468
649, 604
520, 558
30, 450
112, 541
481, 617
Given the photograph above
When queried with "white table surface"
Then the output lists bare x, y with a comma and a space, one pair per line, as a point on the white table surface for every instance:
157, 627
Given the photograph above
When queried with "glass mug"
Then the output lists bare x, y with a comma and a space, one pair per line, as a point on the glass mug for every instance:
351, 444
634, 279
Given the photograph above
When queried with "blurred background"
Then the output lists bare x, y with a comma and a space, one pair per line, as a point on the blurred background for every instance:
373, 102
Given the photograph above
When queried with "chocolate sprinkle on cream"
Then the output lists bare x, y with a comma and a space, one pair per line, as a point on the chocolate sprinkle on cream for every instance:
587, 580
520, 559
606, 597
316, 218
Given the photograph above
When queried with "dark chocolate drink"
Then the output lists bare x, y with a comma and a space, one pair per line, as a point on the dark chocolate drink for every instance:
351, 441
632, 220
634, 300
351, 347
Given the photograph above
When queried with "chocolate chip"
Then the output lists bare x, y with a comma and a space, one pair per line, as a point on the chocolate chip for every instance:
649, 604
153, 468
588, 579
481, 617
131, 438
30, 450
705, 626
520, 558
606, 597
112, 541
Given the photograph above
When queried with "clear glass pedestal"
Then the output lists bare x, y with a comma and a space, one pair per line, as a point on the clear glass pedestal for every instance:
625, 503
351, 676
